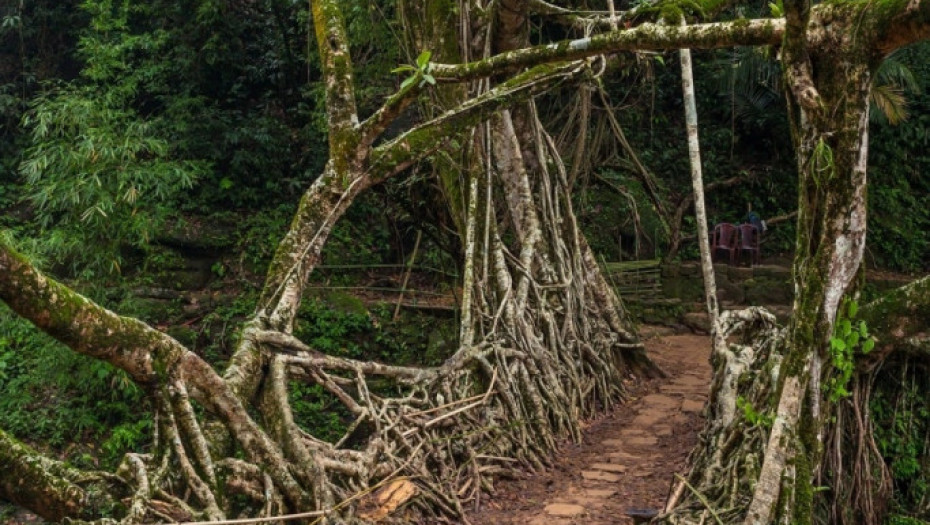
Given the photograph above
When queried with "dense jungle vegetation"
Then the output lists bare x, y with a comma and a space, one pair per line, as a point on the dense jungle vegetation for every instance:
153, 154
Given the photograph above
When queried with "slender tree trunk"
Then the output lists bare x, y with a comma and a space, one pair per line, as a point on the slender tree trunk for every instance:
697, 182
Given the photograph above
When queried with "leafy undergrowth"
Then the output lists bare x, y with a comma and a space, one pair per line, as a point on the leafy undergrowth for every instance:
901, 409
84, 409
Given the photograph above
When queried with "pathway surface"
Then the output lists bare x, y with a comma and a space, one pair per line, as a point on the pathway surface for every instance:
626, 460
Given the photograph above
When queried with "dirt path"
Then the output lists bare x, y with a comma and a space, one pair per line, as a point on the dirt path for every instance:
627, 459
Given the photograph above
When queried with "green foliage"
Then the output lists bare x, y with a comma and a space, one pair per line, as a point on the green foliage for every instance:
893, 82
50, 394
777, 9
98, 177
671, 12
900, 409
849, 337
366, 234
897, 519
258, 237
342, 326
216, 339
420, 72
823, 167
754, 417
318, 411
606, 217
899, 158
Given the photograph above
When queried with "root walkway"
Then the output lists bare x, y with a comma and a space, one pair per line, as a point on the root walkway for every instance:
627, 459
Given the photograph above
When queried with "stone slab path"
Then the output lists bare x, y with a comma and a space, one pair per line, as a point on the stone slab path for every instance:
627, 459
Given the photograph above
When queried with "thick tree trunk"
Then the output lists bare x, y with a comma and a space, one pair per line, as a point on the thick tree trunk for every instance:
832, 159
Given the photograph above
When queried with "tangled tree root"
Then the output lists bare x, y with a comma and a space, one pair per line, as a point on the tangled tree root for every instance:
727, 459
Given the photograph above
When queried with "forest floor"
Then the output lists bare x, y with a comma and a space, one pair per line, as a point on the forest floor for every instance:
627, 459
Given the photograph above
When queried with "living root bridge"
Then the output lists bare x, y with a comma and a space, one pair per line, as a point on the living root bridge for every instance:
448, 429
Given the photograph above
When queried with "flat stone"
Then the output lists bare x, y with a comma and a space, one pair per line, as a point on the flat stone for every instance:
600, 493
690, 405
690, 380
564, 509
644, 441
626, 457
551, 520
680, 391
609, 467
698, 322
597, 475
649, 416
660, 401
662, 431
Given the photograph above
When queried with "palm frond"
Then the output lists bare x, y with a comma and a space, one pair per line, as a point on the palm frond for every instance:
894, 71
888, 105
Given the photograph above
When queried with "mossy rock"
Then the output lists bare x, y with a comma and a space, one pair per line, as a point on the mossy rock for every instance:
729, 292
698, 322
772, 272
661, 312
689, 269
687, 289
442, 343
671, 270
739, 273
183, 279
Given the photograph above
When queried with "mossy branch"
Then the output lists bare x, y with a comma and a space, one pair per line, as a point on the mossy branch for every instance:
647, 36
898, 319
397, 155
45, 485
374, 126
147, 355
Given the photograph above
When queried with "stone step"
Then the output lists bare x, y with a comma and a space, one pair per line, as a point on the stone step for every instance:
598, 475
692, 406
564, 509
609, 467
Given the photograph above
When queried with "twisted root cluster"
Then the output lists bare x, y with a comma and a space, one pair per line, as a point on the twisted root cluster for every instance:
727, 459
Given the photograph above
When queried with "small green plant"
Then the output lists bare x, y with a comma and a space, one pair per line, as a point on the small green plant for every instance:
823, 165
421, 72
848, 337
777, 8
753, 416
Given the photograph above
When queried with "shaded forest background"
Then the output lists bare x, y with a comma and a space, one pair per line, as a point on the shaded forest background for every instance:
138, 136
